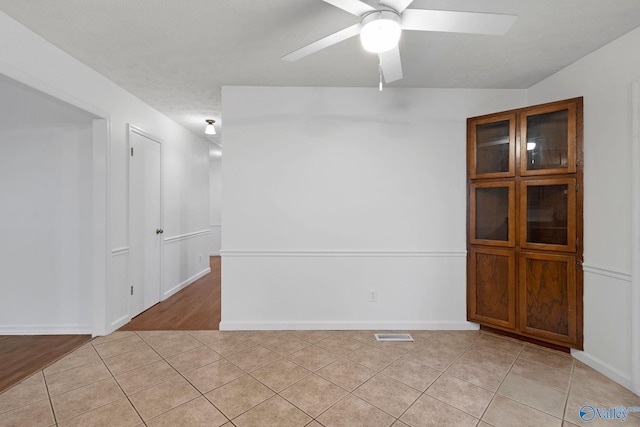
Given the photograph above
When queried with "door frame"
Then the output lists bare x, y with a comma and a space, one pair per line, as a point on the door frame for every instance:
133, 129
101, 190
635, 233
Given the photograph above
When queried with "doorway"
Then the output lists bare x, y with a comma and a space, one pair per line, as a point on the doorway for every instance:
53, 247
145, 225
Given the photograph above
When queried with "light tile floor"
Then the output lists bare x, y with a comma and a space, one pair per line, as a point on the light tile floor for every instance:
311, 378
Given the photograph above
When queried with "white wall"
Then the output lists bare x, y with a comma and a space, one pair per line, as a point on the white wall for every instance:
635, 244
45, 214
330, 193
28, 59
186, 211
215, 198
605, 79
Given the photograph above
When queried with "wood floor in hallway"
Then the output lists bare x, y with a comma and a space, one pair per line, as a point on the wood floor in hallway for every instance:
196, 307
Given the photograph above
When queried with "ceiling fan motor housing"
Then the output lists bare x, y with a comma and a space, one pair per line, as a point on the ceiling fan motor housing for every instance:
380, 30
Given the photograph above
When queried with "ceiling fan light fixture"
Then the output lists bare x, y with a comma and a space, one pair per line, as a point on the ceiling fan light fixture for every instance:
210, 130
380, 31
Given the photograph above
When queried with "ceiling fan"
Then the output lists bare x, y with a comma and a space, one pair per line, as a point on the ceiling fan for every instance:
380, 28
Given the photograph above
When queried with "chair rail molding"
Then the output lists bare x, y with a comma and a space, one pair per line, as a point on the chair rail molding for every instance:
186, 236
341, 253
124, 250
606, 272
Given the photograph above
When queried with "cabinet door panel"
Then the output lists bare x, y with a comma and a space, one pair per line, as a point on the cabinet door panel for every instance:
492, 279
492, 214
547, 289
548, 214
491, 148
548, 137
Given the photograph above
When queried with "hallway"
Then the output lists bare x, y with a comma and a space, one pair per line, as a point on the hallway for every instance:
197, 307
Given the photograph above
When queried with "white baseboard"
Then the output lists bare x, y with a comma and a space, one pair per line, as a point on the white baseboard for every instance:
118, 323
186, 283
214, 253
68, 329
348, 326
616, 375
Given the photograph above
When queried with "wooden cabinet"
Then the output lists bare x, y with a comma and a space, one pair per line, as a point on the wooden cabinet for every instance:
524, 221
492, 287
548, 297
494, 148
548, 214
548, 137
492, 216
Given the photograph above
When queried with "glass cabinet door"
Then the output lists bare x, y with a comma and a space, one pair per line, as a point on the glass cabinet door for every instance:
492, 213
548, 214
548, 140
492, 146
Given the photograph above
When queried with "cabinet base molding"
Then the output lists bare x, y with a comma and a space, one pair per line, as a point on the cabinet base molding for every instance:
526, 339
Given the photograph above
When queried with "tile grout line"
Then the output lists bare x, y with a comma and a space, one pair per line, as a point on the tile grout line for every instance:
225, 358
248, 373
501, 382
66, 371
573, 363
566, 401
348, 393
46, 385
77, 388
26, 404
445, 371
542, 364
120, 387
203, 394
424, 393
396, 419
331, 406
185, 378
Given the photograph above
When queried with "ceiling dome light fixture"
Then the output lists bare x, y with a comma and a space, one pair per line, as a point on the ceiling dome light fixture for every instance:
380, 31
210, 130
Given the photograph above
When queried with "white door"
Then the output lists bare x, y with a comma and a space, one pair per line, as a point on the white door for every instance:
145, 229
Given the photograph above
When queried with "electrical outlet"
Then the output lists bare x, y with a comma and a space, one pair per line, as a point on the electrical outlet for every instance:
373, 296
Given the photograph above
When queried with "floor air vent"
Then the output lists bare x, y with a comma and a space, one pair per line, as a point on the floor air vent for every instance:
393, 337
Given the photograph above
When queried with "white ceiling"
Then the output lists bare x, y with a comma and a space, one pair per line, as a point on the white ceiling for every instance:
177, 54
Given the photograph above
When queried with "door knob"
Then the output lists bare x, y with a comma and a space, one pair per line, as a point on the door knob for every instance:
159, 231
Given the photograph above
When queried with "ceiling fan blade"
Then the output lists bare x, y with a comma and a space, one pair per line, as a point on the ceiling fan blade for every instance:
330, 40
397, 5
457, 22
355, 7
391, 65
